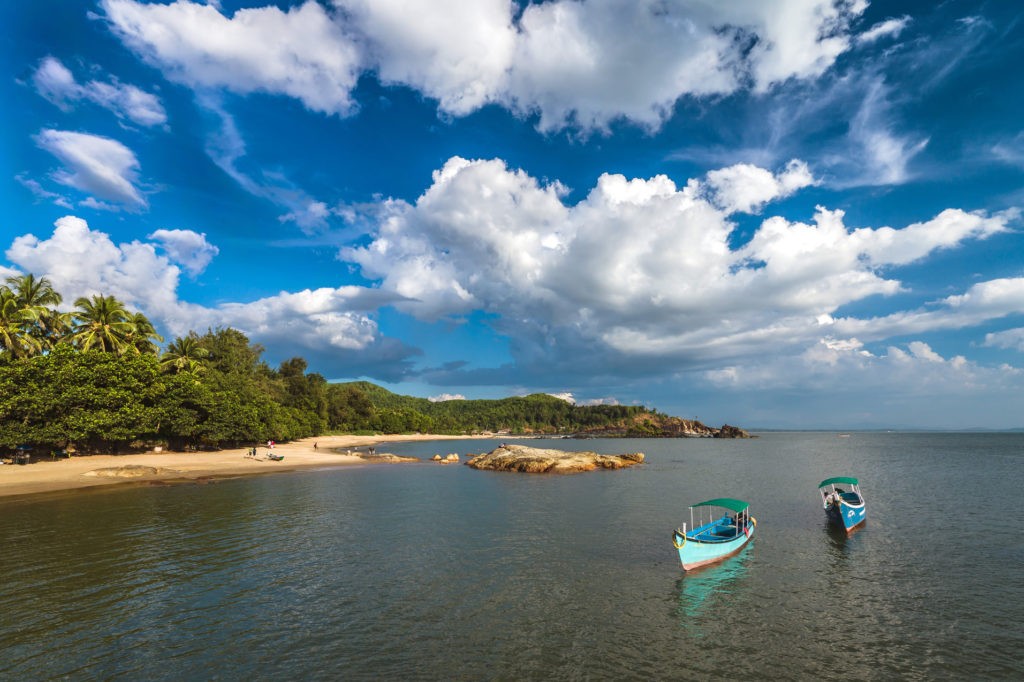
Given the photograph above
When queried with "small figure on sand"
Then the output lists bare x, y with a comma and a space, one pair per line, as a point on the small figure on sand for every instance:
315, 445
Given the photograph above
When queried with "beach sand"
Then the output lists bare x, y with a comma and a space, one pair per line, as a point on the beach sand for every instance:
104, 470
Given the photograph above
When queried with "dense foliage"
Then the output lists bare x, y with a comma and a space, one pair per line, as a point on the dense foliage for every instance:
94, 379
362, 405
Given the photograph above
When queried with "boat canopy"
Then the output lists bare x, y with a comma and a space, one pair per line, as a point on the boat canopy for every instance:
727, 502
848, 480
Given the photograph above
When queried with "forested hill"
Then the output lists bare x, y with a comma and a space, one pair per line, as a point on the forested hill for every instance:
362, 405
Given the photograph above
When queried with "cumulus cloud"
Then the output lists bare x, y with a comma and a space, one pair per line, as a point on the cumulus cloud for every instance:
744, 188
333, 326
56, 83
571, 62
188, 248
453, 51
641, 272
95, 165
301, 53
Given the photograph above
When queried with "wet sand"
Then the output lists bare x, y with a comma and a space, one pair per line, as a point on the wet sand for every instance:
103, 470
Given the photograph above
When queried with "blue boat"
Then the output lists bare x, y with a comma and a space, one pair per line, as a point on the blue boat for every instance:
714, 534
845, 508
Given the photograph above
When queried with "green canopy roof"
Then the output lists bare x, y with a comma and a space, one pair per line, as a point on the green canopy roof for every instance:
727, 502
849, 480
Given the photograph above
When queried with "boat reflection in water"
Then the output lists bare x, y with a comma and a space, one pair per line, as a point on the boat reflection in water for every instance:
700, 590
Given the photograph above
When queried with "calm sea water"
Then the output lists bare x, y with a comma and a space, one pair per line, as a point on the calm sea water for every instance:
442, 572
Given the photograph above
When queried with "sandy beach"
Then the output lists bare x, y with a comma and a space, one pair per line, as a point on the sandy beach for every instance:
105, 470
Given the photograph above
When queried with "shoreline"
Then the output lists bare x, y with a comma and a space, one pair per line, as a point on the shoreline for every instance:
102, 471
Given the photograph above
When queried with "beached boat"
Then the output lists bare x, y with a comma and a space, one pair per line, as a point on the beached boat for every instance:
845, 508
715, 537
275, 458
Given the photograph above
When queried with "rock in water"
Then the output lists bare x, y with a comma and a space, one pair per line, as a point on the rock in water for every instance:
538, 461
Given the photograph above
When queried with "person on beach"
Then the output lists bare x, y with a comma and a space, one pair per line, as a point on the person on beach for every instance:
314, 445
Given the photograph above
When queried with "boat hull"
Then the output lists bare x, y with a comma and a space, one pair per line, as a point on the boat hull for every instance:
694, 554
847, 516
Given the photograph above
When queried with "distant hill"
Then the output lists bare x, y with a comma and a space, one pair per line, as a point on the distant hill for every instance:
364, 406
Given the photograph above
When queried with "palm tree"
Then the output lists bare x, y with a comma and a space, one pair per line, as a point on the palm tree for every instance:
37, 301
184, 354
143, 337
101, 323
14, 322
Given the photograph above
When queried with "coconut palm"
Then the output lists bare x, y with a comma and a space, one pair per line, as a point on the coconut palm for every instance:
101, 323
37, 301
143, 337
184, 354
14, 323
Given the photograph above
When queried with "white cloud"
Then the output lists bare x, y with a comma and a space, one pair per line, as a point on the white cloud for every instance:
565, 395
882, 154
642, 273
227, 149
301, 53
83, 262
581, 63
909, 386
1009, 338
55, 82
41, 193
333, 325
444, 397
456, 52
186, 247
95, 165
313, 214
884, 29
744, 188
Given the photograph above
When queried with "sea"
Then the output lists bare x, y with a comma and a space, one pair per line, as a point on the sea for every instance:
441, 572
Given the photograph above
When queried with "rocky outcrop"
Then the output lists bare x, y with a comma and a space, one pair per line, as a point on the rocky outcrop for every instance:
537, 460
661, 426
732, 432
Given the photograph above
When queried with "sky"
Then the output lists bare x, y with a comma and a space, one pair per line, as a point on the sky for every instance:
795, 214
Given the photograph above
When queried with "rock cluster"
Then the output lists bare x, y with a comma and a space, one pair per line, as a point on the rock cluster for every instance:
537, 460
448, 459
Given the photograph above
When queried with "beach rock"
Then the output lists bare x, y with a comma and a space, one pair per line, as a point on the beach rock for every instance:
131, 471
385, 457
538, 460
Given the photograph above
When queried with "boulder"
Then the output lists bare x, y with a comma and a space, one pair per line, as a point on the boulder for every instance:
538, 460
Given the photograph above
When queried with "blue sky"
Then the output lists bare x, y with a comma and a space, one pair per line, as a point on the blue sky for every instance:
789, 214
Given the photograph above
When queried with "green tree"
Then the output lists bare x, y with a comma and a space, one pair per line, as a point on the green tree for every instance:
37, 301
184, 354
142, 337
101, 323
14, 325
